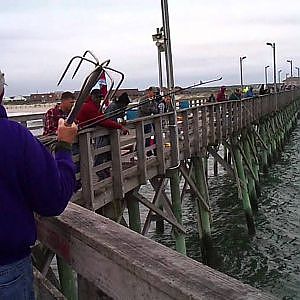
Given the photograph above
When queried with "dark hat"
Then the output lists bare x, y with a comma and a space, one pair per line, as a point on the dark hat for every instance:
124, 98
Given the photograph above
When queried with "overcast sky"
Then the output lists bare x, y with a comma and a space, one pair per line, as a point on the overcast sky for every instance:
208, 37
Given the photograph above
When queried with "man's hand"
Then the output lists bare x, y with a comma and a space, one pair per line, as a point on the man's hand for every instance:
66, 133
124, 131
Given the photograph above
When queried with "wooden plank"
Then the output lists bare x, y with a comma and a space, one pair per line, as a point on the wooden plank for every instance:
155, 201
87, 290
224, 119
221, 161
204, 126
230, 122
218, 122
117, 175
159, 212
160, 151
211, 124
141, 155
44, 289
196, 128
165, 200
193, 186
187, 146
86, 170
126, 265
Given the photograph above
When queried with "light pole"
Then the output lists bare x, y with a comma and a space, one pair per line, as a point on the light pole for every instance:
158, 38
298, 70
274, 65
175, 161
279, 75
291, 62
241, 71
266, 75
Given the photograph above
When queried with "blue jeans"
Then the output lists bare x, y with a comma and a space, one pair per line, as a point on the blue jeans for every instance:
16, 280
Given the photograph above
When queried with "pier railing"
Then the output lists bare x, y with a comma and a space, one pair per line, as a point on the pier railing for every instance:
124, 161
124, 265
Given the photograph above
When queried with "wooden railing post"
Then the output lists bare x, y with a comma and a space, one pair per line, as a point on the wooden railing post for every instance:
141, 155
117, 174
86, 170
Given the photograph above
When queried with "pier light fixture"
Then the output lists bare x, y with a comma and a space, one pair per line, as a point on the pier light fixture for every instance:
298, 70
266, 75
274, 65
159, 40
241, 70
291, 63
279, 75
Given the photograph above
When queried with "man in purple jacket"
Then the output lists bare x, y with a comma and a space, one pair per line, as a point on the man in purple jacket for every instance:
31, 181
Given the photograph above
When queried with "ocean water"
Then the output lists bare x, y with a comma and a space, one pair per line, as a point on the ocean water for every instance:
270, 260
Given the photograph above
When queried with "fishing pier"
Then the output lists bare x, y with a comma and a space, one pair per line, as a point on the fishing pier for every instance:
98, 258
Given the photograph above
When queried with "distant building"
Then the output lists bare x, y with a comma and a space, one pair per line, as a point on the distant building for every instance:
18, 98
46, 97
7, 99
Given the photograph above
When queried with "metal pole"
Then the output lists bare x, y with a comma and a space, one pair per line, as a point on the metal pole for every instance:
274, 66
241, 70
166, 26
291, 63
174, 170
279, 75
160, 79
297, 68
266, 75
170, 80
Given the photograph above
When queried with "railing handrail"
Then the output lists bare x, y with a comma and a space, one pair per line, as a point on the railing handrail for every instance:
139, 268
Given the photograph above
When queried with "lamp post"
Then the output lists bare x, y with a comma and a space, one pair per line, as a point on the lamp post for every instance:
158, 38
291, 62
274, 65
279, 75
298, 70
241, 71
266, 75
175, 161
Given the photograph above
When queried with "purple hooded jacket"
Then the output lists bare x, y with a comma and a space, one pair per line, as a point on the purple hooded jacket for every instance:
31, 180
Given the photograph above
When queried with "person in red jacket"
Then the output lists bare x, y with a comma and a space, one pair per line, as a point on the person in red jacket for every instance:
90, 115
221, 94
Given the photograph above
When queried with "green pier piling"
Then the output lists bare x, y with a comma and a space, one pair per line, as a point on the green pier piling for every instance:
264, 155
242, 185
203, 214
134, 214
176, 205
251, 181
67, 279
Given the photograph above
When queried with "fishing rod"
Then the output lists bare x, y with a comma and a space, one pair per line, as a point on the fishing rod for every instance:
140, 102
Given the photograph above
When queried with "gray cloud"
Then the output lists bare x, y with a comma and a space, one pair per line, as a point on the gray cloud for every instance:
39, 37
